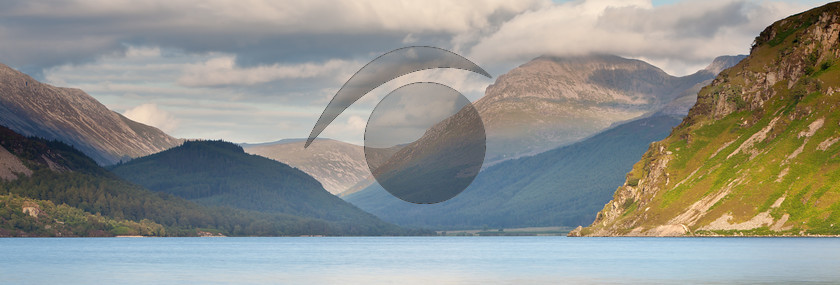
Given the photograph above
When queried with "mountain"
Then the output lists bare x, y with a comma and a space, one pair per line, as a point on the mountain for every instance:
337, 165
217, 173
687, 98
561, 187
554, 188
554, 101
22, 216
341, 167
756, 155
48, 188
70, 115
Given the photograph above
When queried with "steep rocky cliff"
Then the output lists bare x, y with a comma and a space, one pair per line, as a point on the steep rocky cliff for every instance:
756, 155
74, 117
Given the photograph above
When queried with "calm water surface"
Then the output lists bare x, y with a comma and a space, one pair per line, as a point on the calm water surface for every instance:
419, 260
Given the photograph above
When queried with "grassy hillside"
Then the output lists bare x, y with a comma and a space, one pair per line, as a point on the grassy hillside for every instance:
758, 153
561, 187
23, 217
216, 173
75, 197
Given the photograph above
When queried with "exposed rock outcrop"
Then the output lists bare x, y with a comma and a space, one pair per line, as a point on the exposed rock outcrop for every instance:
754, 154
10, 166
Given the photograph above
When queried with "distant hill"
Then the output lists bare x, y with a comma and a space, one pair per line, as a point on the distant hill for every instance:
561, 187
217, 173
756, 155
337, 165
48, 188
70, 115
554, 101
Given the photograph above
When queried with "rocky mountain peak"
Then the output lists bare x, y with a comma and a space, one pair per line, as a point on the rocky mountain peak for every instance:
572, 79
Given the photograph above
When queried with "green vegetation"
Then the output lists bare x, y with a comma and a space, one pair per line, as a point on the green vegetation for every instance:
531, 231
561, 187
47, 219
771, 150
221, 174
785, 29
760, 231
67, 178
72, 189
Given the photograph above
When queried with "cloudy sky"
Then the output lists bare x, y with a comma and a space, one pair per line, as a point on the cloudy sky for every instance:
263, 70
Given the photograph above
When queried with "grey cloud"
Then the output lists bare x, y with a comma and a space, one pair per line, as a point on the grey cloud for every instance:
683, 36
49, 33
129, 53
683, 20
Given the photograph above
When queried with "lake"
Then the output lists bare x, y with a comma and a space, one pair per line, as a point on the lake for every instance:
419, 260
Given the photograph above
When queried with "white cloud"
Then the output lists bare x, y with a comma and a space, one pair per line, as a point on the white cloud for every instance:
405, 115
266, 69
416, 106
243, 113
150, 114
684, 36
222, 70
351, 130
89, 28
289, 16
409, 39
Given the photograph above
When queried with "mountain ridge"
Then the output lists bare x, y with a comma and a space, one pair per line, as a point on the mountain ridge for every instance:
36, 109
518, 192
564, 99
756, 155
218, 173
49, 188
546, 175
337, 165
